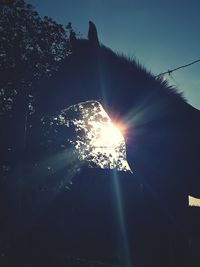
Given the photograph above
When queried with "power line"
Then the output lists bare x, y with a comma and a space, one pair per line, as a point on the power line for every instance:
178, 68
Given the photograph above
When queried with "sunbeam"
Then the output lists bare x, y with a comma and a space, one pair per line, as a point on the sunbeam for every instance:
121, 220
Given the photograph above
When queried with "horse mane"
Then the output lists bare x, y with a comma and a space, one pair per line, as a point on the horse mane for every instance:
128, 66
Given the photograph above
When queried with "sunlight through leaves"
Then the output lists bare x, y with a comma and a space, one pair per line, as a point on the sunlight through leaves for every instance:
96, 140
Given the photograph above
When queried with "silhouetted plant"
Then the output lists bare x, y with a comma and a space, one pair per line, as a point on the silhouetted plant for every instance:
31, 48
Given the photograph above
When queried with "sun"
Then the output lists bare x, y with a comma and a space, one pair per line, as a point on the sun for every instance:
107, 145
98, 141
107, 135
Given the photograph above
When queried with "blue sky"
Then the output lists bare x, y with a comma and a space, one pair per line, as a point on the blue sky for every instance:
160, 34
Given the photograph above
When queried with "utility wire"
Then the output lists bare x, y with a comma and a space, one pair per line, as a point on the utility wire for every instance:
178, 68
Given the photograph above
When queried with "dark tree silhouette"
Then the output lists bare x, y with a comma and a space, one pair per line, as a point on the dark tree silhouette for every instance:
30, 48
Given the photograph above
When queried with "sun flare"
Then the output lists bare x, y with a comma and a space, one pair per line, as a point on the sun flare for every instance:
108, 135
98, 141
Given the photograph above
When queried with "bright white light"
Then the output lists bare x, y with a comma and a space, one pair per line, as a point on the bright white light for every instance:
107, 135
97, 140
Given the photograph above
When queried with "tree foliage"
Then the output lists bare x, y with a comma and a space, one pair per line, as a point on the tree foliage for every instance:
30, 48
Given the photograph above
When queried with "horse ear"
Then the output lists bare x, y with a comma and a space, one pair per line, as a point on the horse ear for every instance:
72, 39
92, 35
